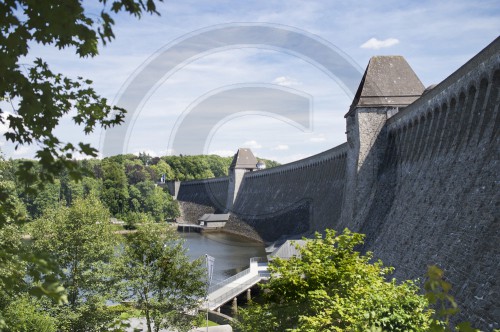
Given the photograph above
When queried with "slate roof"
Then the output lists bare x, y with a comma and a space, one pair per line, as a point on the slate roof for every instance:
387, 81
214, 217
288, 249
245, 159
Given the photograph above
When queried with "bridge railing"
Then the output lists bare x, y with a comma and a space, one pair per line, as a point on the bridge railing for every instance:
227, 281
253, 260
258, 260
233, 292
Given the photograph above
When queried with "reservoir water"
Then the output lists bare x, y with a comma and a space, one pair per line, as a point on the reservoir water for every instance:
232, 253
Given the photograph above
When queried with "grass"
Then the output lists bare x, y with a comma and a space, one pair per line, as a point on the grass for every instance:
136, 313
210, 323
117, 227
121, 308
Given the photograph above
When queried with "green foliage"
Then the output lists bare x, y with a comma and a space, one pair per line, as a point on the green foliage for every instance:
189, 167
128, 309
12, 268
332, 287
218, 165
123, 183
14, 256
39, 97
146, 197
134, 219
49, 196
81, 241
136, 172
35, 99
438, 294
185, 168
25, 314
162, 168
115, 187
157, 274
269, 163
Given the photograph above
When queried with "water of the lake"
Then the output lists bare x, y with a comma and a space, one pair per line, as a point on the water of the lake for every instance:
232, 253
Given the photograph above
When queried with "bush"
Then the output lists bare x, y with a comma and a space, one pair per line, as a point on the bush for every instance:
332, 287
133, 219
25, 315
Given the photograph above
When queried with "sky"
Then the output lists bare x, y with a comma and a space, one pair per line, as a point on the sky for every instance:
306, 102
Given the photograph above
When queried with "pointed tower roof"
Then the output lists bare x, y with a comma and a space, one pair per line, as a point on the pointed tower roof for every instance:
388, 81
245, 159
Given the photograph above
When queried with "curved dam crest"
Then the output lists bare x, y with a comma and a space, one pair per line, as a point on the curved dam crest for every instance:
418, 175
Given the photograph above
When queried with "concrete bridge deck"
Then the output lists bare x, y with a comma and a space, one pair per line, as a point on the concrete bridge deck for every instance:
230, 288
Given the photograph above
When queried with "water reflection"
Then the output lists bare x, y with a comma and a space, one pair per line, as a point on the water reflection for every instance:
232, 253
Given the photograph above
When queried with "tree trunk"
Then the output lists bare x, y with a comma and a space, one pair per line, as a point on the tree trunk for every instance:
146, 311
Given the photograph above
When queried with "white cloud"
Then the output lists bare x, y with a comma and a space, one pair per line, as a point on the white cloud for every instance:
293, 157
281, 147
240, 65
286, 81
375, 44
150, 152
23, 152
4, 123
252, 145
317, 139
155, 153
223, 153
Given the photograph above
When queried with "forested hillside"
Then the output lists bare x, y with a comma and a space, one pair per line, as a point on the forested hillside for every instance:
125, 184
72, 253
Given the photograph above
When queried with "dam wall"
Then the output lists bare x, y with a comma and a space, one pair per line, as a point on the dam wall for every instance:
421, 180
296, 198
198, 197
299, 205
436, 196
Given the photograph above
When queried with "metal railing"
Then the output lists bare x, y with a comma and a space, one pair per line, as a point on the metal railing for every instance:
233, 292
258, 260
227, 281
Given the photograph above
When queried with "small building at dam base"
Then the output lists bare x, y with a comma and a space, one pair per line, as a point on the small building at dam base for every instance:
419, 175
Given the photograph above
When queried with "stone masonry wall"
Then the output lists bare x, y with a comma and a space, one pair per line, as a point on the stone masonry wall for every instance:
202, 196
433, 197
296, 198
436, 198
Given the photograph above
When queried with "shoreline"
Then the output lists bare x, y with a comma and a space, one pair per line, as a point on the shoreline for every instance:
221, 230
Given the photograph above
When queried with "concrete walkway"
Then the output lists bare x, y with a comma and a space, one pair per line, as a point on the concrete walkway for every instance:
220, 328
219, 295
140, 323
236, 285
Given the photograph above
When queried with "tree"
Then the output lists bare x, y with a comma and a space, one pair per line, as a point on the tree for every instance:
14, 255
25, 314
161, 205
153, 200
46, 197
269, 163
12, 267
115, 192
34, 99
219, 165
82, 243
158, 275
136, 171
36, 96
162, 168
331, 287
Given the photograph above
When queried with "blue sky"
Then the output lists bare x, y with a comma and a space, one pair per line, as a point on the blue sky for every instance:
435, 37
